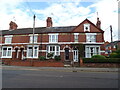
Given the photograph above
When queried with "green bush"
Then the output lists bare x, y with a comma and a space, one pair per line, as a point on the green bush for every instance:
50, 55
42, 58
113, 55
96, 60
57, 58
99, 56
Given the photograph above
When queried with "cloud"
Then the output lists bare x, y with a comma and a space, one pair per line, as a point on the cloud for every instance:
63, 14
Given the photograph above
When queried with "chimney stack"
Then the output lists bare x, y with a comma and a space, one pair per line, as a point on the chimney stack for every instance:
49, 22
13, 25
98, 24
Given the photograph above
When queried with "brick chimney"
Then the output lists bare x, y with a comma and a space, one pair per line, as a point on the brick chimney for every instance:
49, 22
98, 24
13, 25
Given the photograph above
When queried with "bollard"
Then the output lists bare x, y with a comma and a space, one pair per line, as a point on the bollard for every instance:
81, 62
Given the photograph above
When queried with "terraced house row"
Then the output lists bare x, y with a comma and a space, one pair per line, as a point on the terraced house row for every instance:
70, 42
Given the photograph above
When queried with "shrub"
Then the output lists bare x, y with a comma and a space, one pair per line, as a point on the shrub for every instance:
99, 56
42, 58
113, 55
50, 55
96, 60
57, 58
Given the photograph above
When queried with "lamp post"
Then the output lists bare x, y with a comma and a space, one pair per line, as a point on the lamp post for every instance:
33, 38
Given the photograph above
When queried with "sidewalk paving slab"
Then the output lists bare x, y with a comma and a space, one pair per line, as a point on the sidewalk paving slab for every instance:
67, 69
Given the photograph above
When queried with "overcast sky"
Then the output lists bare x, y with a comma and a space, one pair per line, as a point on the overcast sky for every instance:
63, 13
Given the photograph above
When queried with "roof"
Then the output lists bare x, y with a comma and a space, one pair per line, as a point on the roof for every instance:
91, 24
112, 43
38, 30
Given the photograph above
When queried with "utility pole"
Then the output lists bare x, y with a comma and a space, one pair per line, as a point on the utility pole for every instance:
111, 33
33, 37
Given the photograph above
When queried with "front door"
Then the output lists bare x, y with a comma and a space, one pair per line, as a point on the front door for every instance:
66, 53
75, 55
21, 54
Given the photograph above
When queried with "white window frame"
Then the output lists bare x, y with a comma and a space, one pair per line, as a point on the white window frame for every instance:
7, 51
35, 38
28, 56
76, 37
88, 26
53, 40
88, 37
55, 51
88, 51
8, 39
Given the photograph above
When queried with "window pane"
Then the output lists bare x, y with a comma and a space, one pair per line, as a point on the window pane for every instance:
50, 48
9, 52
8, 40
53, 48
31, 39
30, 52
97, 50
57, 48
35, 52
35, 39
4, 51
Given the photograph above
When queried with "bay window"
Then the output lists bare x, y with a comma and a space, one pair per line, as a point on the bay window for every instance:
32, 52
91, 51
55, 49
6, 52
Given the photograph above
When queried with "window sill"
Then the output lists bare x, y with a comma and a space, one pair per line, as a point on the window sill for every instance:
6, 57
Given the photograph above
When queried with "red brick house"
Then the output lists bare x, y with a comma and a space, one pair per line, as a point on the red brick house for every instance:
70, 42
111, 47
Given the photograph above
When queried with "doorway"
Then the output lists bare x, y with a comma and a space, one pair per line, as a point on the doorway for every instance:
75, 55
66, 53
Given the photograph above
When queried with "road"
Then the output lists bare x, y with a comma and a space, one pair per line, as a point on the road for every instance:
58, 79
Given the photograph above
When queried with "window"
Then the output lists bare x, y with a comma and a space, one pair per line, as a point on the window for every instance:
7, 52
92, 50
55, 49
53, 38
31, 38
32, 52
76, 37
86, 27
8, 39
91, 37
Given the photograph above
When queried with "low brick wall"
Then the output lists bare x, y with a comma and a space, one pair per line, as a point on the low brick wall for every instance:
35, 63
101, 65
20, 63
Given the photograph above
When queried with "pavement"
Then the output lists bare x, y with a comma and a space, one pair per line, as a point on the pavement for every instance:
65, 69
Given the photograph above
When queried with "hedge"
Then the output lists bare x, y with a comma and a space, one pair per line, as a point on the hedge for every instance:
106, 60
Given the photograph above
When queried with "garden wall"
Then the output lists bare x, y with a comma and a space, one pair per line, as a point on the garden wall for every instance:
35, 63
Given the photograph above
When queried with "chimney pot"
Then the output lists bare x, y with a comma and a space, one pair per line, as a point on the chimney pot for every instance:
49, 22
13, 25
98, 24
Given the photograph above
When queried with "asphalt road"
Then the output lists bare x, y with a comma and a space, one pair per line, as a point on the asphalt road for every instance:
58, 79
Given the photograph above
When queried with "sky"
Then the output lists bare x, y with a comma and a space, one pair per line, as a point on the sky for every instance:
63, 13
